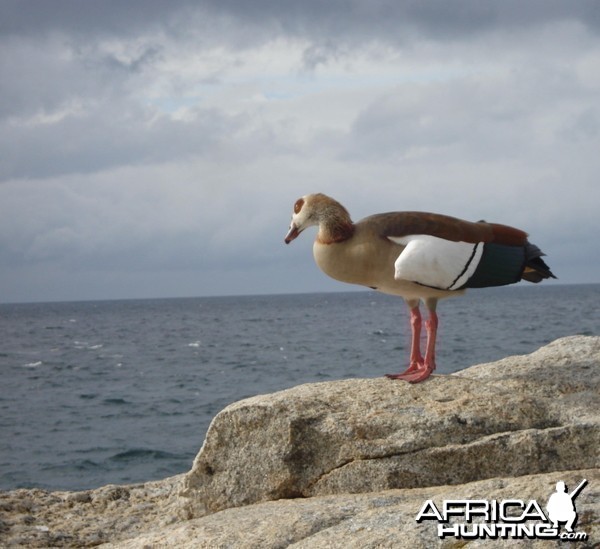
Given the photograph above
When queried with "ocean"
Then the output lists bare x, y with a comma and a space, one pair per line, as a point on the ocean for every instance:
113, 392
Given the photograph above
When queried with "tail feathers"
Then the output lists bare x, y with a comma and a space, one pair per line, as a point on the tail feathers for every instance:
536, 269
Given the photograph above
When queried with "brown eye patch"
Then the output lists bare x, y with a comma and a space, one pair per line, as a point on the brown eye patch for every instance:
298, 205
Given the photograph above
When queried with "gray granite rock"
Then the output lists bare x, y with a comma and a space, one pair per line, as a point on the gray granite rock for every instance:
38, 518
522, 415
374, 520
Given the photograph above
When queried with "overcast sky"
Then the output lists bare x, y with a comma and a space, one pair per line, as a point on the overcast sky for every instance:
155, 148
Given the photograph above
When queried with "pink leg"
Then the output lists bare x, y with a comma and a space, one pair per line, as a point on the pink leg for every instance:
416, 359
420, 369
429, 363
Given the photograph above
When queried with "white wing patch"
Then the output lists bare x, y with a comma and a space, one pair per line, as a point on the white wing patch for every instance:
436, 262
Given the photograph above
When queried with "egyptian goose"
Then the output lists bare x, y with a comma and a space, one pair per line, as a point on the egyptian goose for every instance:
418, 256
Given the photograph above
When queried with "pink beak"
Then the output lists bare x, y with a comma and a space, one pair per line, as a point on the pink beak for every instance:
292, 233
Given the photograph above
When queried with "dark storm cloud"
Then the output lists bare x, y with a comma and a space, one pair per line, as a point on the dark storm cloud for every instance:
336, 18
72, 16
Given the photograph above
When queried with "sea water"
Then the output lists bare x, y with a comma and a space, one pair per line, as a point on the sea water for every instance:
93, 393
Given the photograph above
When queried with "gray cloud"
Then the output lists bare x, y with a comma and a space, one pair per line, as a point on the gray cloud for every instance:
108, 136
381, 18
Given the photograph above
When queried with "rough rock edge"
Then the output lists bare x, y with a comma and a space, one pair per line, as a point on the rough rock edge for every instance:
39, 518
374, 520
370, 434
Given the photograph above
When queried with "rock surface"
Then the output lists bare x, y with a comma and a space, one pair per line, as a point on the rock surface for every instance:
375, 520
351, 462
38, 518
522, 415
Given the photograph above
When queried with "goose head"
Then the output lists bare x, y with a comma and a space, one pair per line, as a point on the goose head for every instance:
318, 209
303, 216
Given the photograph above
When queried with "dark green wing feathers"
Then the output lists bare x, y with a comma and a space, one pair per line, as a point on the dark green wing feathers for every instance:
487, 254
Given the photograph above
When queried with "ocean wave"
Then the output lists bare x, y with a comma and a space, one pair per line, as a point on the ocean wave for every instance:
119, 401
71, 465
86, 465
138, 454
33, 364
